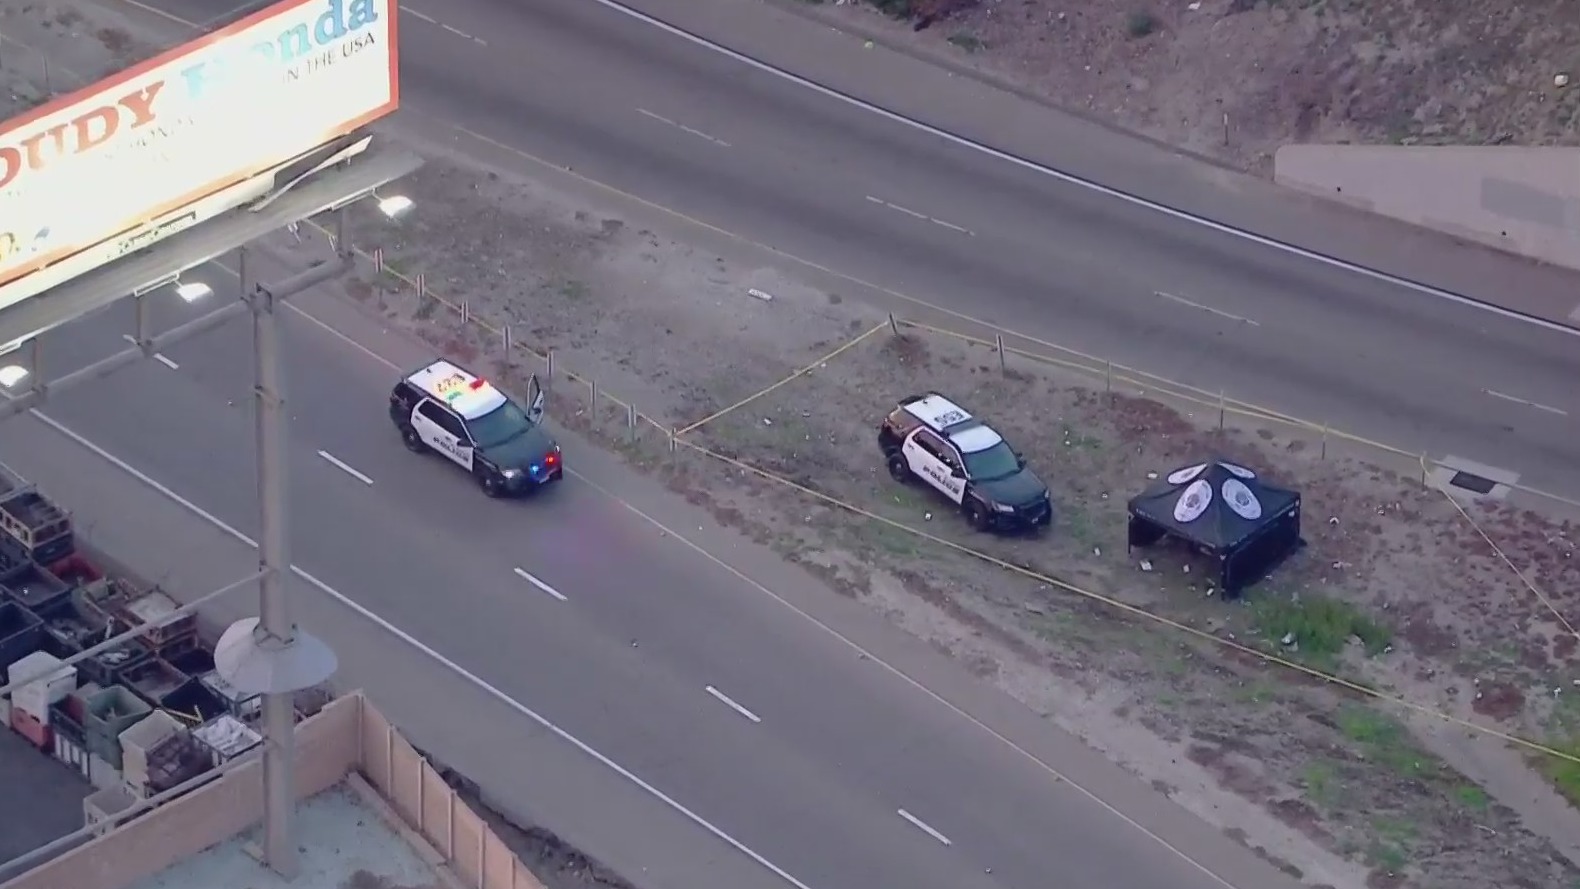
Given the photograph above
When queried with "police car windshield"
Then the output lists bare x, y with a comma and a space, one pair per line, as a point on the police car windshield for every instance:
498, 425
991, 463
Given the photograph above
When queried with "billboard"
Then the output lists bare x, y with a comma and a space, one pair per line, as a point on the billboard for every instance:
150, 151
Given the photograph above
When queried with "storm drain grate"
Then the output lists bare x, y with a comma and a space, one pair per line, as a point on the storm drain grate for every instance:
1471, 482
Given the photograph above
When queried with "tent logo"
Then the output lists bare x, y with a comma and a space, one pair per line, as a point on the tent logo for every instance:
1241, 500
1193, 502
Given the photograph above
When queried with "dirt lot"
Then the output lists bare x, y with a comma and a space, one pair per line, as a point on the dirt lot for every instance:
1395, 590
1365, 71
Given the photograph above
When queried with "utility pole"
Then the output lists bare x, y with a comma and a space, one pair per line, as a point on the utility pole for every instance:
270, 655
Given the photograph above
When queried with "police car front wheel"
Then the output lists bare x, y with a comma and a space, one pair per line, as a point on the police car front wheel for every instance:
492, 485
977, 515
899, 470
412, 440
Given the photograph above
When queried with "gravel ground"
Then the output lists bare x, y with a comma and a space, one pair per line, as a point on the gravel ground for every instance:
1359, 795
1336, 71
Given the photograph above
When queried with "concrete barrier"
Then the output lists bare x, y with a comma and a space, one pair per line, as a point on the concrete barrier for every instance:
1521, 200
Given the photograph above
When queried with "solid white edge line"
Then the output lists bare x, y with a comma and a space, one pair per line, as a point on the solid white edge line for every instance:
342, 466
1072, 179
522, 573
729, 702
1527, 402
157, 356
924, 827
438, 658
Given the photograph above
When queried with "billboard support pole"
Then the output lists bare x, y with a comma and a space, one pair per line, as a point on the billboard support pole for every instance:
142, 321
35, 362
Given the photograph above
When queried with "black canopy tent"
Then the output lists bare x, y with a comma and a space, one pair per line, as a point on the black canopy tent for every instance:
1226, 512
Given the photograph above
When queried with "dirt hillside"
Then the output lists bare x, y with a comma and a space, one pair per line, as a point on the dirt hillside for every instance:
1360, 71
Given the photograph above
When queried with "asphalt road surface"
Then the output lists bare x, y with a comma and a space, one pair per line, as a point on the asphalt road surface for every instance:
801, 747
817, 786
623, 102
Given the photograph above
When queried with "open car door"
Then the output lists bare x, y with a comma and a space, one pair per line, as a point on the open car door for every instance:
534, 399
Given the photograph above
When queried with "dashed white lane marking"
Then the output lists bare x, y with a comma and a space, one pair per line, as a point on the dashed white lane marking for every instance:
683, 128
343, 467
422, 16
727, 701
923, 216
460, 33
522, 573
157, 356
1527, 403
1196, 305
924, 827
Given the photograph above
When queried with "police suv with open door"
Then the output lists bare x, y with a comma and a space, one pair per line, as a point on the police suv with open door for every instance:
931, 438
444, 408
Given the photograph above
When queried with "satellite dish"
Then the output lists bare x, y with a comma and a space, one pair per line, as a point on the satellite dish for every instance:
255, 661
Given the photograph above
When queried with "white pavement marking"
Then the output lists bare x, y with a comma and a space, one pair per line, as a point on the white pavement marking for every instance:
1526, 402
522, 573
433, 21
683, 128
925, 827
727, 701
157, 356
1072, 179
1196, 305
438, 658
914, 214
345, 468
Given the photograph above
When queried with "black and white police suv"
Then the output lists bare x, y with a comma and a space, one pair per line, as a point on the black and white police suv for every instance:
445, 408
931, 438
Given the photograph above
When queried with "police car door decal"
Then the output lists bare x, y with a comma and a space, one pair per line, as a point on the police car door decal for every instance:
933, 470
441, 440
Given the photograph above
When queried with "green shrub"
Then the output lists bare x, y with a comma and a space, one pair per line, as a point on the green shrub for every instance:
1318, 626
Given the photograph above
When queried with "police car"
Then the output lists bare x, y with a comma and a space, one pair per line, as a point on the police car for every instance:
444, 408
931, 438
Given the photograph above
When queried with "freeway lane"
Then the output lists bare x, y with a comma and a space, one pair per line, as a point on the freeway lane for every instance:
626, 661
694, 130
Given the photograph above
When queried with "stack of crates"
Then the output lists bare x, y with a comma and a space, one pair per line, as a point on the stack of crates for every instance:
138, 742
109, 713
70, 739
32, 522
31, 703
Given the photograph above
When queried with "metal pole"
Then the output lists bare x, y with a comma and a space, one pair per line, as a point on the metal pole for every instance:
274, 616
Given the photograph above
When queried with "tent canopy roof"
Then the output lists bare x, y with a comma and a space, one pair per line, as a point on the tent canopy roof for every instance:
1214, 503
